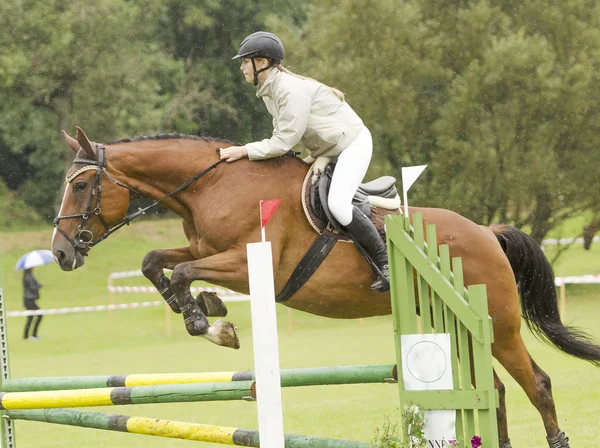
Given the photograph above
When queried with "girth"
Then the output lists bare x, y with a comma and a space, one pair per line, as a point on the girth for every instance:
308, 265
314, 202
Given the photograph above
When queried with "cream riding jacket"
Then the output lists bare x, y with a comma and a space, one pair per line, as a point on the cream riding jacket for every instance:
304, 110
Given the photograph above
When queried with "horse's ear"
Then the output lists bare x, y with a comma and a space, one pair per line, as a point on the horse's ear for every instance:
73, 144
86, 144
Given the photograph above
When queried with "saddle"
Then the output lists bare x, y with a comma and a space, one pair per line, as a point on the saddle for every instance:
375, 199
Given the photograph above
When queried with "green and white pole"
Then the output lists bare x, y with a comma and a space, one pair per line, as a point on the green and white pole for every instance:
312, 376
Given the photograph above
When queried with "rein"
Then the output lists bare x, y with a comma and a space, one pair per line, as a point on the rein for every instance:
84, 239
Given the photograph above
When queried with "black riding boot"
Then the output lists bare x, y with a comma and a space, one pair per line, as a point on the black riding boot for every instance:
364, 233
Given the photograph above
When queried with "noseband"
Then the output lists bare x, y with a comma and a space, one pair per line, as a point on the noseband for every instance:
84, 239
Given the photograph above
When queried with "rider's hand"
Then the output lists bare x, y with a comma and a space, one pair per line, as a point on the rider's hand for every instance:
319, 168
233, 153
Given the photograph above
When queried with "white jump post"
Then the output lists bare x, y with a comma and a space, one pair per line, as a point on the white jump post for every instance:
264, 333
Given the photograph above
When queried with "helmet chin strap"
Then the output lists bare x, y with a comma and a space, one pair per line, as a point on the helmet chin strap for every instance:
256, 72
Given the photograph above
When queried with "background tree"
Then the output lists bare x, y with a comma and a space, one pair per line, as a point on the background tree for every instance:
500, 98
119, 68
205, 34
496, 100
73, 62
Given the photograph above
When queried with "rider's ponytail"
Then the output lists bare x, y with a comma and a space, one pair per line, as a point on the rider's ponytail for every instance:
337, 92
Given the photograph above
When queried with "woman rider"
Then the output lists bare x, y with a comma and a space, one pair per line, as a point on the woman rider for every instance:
306, 110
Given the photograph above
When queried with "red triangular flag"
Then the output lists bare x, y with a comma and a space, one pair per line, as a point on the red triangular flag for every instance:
267, 208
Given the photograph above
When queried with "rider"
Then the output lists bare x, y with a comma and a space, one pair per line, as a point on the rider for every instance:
304, 109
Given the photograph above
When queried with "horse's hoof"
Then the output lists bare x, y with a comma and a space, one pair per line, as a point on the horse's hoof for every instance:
223, 333
211, 304
560, 440
505, 444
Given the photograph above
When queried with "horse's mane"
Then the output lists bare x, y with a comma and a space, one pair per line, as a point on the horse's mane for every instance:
162, 136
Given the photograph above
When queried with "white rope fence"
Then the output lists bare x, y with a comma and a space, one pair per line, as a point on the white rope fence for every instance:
591, 278
554, 241
225, 294
230, 296
84, 309
561, 283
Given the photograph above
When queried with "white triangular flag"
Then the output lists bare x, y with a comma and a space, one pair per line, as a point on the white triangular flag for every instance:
409, 176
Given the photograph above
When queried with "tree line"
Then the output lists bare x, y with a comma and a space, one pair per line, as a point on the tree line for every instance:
499, 98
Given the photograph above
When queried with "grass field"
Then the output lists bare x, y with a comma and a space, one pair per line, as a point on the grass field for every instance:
133, 341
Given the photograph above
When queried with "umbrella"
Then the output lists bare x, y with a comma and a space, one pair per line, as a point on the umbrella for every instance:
34, 258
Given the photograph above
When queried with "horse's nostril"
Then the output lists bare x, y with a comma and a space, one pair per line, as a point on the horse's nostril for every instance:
60, 256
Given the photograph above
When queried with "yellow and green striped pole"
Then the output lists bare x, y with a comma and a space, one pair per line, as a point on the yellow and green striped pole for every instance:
239, 386
169, 393
173, 429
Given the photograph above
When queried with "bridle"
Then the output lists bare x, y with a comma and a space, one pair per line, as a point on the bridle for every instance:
84, 239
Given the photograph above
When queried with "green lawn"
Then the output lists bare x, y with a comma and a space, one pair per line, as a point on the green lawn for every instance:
133, 341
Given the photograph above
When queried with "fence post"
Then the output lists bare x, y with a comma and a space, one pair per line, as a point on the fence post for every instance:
444, 306
7, 430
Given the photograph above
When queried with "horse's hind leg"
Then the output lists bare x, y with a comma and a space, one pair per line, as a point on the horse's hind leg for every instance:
556, 437
501, 413
224, 268
510, 351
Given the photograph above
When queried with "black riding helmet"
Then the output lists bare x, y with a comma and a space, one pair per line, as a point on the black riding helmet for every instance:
261, 45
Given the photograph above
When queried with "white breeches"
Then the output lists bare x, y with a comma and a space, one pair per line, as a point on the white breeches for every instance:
351, 167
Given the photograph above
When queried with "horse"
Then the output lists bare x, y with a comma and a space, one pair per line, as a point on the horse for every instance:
217, 203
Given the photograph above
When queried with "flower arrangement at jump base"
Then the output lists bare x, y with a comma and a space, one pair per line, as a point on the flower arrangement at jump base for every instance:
475, 442
414, 427
388, 436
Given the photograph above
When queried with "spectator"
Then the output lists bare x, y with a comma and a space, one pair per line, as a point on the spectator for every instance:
31, 293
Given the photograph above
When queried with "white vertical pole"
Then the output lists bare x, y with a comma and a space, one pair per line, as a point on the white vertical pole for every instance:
266, 346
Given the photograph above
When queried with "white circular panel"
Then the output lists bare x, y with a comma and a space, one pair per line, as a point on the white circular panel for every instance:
426, 361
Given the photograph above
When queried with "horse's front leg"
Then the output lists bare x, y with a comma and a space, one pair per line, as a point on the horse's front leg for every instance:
225, 268
156, 261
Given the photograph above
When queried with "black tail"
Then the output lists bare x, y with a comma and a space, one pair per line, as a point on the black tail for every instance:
535, 281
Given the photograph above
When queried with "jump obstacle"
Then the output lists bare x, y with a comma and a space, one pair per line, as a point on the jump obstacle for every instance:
446, 307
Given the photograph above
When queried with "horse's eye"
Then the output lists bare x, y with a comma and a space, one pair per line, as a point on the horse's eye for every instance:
80, 186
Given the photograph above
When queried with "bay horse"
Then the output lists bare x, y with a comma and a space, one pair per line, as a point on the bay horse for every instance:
218, 204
